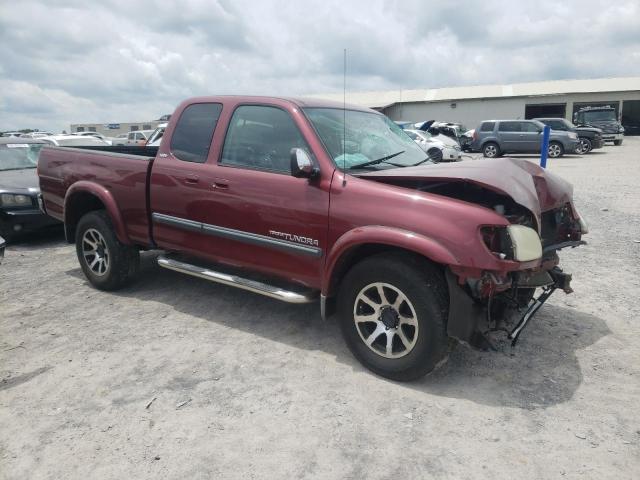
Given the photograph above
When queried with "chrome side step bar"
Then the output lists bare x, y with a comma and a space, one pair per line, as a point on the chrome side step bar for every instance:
236, 281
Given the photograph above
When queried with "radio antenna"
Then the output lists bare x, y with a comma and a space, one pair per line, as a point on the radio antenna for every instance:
344, 120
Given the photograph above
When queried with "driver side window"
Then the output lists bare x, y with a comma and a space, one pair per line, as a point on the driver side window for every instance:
261, 137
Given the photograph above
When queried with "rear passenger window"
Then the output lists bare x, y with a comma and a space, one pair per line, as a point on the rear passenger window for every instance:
530, 127
487, 126
261, 138
509, 127
193, 133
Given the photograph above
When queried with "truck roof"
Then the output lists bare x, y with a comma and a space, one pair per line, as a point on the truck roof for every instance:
300, 102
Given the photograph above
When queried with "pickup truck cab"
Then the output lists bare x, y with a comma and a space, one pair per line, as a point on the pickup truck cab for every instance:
284, 198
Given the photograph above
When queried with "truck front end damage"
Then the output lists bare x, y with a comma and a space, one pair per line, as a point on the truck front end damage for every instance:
480, 301
538, 219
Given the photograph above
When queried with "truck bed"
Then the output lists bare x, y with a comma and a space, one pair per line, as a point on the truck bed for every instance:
120, 170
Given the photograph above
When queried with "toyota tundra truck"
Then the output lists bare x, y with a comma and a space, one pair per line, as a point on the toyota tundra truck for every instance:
313, 201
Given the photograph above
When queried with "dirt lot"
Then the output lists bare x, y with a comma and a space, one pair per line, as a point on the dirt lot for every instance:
178, 378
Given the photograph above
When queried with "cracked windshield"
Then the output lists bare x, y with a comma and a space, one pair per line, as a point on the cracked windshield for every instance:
372, 140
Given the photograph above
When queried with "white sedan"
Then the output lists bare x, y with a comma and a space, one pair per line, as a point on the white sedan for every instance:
437, 150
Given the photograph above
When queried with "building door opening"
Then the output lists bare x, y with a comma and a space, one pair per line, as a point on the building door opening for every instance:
631, 117
555, 110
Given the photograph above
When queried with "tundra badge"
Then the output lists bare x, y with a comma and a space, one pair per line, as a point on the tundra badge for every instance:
294, 238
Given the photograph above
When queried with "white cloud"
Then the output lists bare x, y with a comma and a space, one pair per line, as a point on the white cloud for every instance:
65, 62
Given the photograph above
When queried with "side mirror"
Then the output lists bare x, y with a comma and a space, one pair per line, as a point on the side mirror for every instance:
301, 164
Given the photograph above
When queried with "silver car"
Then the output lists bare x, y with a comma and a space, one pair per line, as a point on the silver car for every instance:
437, 150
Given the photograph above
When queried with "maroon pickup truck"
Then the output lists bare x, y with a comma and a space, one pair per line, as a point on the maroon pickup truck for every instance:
300, 199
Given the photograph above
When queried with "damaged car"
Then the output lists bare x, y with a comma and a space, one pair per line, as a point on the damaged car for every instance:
305, 200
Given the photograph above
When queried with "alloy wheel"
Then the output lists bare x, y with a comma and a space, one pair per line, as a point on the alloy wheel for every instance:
555, 151
490, 151
95, 251
385, 320
583, 146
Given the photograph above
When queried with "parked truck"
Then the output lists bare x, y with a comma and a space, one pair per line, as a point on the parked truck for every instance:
307, 200
603, 117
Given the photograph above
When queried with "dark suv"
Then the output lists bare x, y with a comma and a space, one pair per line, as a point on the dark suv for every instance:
589, 137
496, 137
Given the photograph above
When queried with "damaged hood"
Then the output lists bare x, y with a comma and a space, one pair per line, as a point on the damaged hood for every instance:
529, 185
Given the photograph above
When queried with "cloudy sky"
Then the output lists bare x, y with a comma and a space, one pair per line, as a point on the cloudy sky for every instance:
65, 62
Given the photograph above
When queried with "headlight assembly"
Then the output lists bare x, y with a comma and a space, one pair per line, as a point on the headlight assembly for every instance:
14, 200
514, 242
526, 243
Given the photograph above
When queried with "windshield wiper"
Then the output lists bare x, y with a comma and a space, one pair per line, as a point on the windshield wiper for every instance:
16, 168
421, 162
379, 160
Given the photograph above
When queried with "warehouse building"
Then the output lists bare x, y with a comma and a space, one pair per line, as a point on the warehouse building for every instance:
471, 105
114, 129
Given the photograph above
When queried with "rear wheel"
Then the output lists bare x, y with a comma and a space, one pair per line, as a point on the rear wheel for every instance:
107, 263
393, 310
491, 150
584, 146
555, 150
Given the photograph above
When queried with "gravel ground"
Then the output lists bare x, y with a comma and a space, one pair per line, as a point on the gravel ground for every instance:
178, 378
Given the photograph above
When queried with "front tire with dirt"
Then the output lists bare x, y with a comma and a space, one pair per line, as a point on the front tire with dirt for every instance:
107, 263
393, 310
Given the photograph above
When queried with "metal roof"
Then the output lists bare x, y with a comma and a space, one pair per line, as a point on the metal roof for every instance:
381, 99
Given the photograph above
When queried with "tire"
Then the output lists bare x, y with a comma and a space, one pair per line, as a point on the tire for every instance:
107, 263
491, 150
585, 146
435, 154
556, 150
617, 143
419, 342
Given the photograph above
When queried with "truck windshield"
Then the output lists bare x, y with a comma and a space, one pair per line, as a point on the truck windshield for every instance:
600, 116
17, 156
370, 139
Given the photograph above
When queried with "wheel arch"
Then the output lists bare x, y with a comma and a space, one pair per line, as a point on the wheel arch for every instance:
363, 242
84, 197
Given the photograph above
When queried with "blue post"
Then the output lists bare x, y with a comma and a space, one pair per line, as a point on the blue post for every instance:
544, 147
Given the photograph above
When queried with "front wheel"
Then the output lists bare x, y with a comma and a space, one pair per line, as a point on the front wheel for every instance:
393, 310
555, 150
617, 143
584, 146
435, 154
107, 263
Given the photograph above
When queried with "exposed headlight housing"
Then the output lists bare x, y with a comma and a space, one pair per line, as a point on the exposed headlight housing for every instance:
514, 242
621, 129
14, 200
